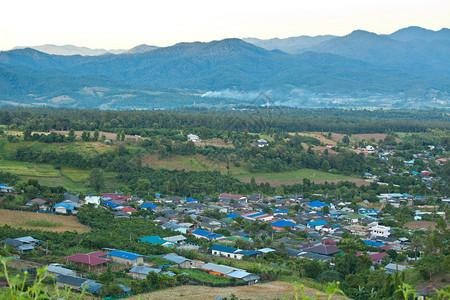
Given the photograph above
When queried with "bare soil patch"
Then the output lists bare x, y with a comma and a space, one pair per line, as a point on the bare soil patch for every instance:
17, 218
437, 282
274, 183
420, 224
23, 264
214, 142
270, 290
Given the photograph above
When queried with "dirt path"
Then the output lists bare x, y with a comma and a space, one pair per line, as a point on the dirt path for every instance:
270, 290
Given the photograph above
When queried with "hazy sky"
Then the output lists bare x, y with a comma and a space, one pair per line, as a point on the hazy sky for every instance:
114, 24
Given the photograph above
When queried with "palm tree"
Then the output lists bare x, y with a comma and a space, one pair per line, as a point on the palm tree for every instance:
416, 242
282, 246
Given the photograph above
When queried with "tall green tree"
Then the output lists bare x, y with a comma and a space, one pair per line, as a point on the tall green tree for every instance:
96, 179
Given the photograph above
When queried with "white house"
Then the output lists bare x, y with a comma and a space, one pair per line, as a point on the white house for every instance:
194, 138
92, 199
380, 231
226, 251
262, 143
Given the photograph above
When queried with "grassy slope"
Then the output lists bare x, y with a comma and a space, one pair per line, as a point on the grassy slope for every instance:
72, 179
41, 221
297, 175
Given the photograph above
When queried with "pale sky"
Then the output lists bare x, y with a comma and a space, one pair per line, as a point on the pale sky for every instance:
111, 24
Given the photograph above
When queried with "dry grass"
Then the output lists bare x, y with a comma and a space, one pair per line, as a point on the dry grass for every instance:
16, 218
270, 290
214, 142
337, 137
316, 135
23, 264
420, 224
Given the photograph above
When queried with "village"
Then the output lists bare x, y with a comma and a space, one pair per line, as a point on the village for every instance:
294, 225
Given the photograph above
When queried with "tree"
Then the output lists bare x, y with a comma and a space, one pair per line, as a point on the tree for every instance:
71, 135
416, 243
86, 136
27, 134
96, 135
401, 258
96, 180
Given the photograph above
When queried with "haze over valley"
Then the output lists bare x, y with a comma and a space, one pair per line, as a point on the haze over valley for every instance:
408, 68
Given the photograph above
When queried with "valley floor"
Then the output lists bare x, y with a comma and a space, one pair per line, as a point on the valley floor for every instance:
270, 290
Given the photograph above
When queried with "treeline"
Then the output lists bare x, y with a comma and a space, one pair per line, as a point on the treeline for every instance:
107, 232
146, 181
119, 160
210, 123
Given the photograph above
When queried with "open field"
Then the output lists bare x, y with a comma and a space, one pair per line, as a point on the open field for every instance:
316, 135
31, 220
28, 169
20, 264
189, 163
293, 177
72, 179
420, 224
337, 137
214, 142
270, 290
200, 163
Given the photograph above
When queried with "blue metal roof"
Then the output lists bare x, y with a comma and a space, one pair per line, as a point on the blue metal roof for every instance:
125, 255
65, 205
317, 223
149, 205
223, 248
112, 204
191, 200
317, 203
202, 232
250, 252
232, 216
283, 223
373, 243
154, 240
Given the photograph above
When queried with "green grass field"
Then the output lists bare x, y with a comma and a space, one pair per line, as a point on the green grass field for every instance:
28, 169
72, 179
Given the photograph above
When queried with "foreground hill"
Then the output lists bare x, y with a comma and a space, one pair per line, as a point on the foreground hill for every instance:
269, 290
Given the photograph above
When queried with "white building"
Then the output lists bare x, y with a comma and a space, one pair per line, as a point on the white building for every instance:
262, 143
194, 138
92, 199
380, 231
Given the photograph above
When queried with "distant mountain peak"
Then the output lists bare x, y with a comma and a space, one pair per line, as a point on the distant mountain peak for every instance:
71, 50
141, 49
416, 33
362, 33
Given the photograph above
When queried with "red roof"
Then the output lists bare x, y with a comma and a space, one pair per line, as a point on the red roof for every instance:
97, 253
86, 259
375, 256
128, 209
38, 201
231, 196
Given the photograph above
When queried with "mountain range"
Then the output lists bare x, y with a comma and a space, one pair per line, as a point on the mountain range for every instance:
72, 50
410, 67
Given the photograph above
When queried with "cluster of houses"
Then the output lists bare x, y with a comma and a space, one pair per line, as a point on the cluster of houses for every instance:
139, 266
